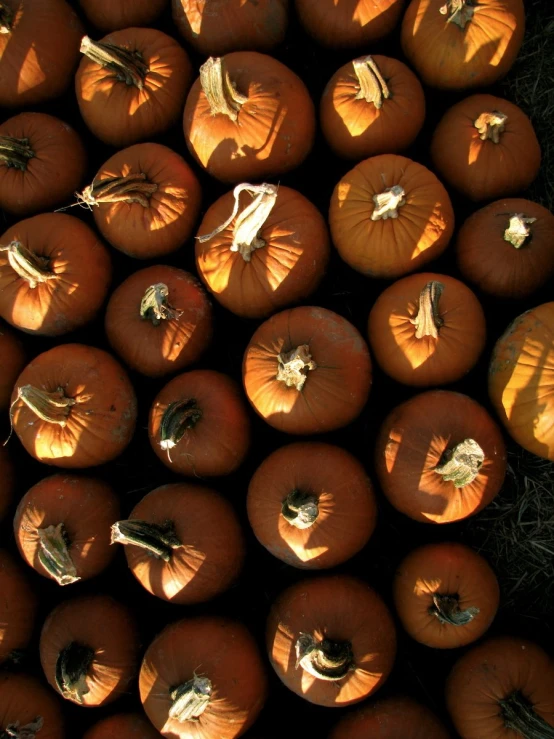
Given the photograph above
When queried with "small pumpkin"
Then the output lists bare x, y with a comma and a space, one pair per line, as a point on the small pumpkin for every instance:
18, 606
7, 482
248, 117
13, 361
389, 216
127, 725
113, 15
440, 457
28, 709
486, 148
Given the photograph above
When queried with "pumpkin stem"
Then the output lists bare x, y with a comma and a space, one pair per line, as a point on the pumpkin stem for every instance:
154, 306
15, 152
388, 202
129, 66
250, 221
72, 667
190, 699
51, 407
300, 509
520, 716
159, 539
325, 659
461, 11
519, 229
447, 609
428, 320
28, 266
179, 416
462, 463
491, 125
54, 554
6, 18
219, 90
29, 731
373, 88
133, 188
294, 366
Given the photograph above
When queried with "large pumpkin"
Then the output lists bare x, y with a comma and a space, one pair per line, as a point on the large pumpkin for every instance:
13, 361
18, 606
28, 709
113, 15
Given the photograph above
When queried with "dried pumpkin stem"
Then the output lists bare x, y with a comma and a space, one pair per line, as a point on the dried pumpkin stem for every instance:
179, 417
520, 717
294, 366
446, 608
51, 407
219, 90
154, 306
459, 12
519, 229
373, 88
491, 125
159, 539
300, 509
15, 152
190, 699
129, 66
325, 659
388, 202
133, 188
72, 668
6, 18
428, 321
54, 554
29, 731
29, 266
462, 463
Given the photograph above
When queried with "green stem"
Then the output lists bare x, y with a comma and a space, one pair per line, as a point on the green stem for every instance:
54, 554
373, 88
300, 509
190, 699
519, 716
446, 608
462, 463
71, 671
159, 539
325, 659
128, 66
179, 417
428, 321
15, 152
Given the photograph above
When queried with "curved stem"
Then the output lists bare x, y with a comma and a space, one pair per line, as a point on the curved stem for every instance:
128, 66
159, 539
72, 667
294, 366
519, 716
15, 152
462, 463
388, 202
300, 509
325, 659
519, 229
6, 18
428, 321
54, 554
29, 731
51, 407
133, 188
219, 90
179, 416
154, 306
373, 88
28, 266
491, 125
190, 699
447, 609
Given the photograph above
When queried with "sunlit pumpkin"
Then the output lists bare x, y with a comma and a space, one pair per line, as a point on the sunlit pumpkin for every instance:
122, 726
113, 15
28, 709
13, 361
18, 607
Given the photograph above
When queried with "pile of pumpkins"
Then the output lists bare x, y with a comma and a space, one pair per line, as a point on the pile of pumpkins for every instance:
111, 366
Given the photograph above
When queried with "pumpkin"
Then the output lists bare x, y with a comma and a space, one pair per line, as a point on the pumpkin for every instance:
39, 50
62, 527
349, 23
474, 43
389, 216
486, 147
372, 105
107, 15
199, 425
446, 595
307, 370
42, 162
502, 688
131, 85
28, 710
127, 725
18, 606
331, 640
507, 248
390, 718
248, 117
260, 255
89, 650
521, 378
145, 200
159, 320
311, 505
183, 543
7, 482
13, 361
440, 457
203, 677
427, 329
54, 274
215, 27
74, 406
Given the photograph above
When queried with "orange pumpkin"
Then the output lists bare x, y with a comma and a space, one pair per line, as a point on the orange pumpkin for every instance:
199, 425
507, 248
261, 255
446, 595
389, 216
440, 457
372, 105
486, 147
502, 688
203, 677
307, 370
113, 15
13, 361
7, 482
473, 43
54, 274
18, 606
248, 117
311, 505
123, 725
427, 329
331, 640
28, 710
159, 320
62, 527
74, 406
131, 85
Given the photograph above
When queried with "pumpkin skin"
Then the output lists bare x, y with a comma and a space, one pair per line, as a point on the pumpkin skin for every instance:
152, 345
308, 474
209, 434
492, 672
94, 415
521, 377
413, 441
254, 282
229, 659
106, 628
501, 251
39, 53
273, 130
472, 162
107, 15
120, 114
385, 122
446, 595
23, 699
18, 607
445, 341
215, 27
341, 609
374, 241
74, 274
7, 482
85, 508
319, 398
13, 361
476, 55
127, 725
